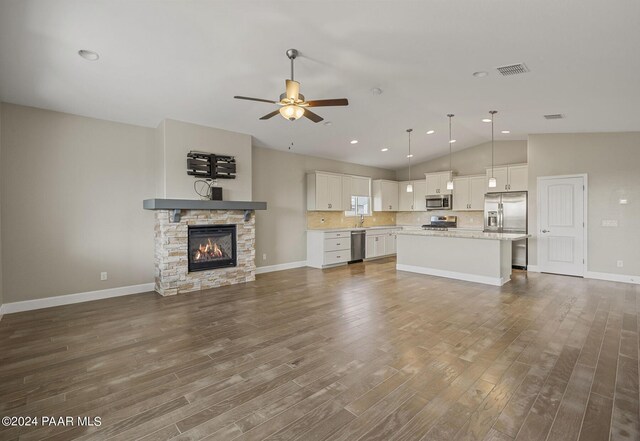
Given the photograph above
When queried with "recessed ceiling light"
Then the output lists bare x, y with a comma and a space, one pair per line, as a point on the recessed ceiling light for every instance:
88, 55
409, 156
486, 120
480, 74
386, 149
506, 132
431, 132
354, 141
452, 141
327, 123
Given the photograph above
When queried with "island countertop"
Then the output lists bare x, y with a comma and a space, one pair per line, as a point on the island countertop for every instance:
467, 234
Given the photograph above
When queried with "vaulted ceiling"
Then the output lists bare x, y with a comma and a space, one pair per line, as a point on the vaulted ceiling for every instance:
187, 59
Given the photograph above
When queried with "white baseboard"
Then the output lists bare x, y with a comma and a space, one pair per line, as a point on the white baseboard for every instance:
533, 268
29, 305
495, 281
280, 267
613, 277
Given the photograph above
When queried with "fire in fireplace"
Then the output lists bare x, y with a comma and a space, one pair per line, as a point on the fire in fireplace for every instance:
212, 246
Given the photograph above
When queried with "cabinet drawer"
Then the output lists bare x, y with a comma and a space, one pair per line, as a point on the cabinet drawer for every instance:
337, 234
342, 243
331, 257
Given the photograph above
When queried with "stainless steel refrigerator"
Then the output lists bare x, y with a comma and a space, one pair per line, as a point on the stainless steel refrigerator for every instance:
507, 213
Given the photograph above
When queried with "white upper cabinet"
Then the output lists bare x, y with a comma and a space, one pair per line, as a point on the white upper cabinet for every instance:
346, 192
436, 183
324, 192
419, 195
414, 201
385, 195
509, 178
461, 194
502, 178
468, 193
405, 200
518, 177
332, 191
477, 191
360, 186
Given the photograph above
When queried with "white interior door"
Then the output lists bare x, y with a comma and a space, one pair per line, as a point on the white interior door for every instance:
561, 225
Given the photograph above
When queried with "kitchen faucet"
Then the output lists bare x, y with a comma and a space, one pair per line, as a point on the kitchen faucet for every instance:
361, 220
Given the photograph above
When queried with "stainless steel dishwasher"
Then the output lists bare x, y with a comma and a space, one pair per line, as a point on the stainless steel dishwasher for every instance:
358, 241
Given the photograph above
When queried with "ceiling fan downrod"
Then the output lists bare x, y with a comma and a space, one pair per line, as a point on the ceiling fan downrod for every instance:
292, 54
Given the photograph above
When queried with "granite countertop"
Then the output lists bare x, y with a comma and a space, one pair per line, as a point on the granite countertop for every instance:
467, 234
381, 227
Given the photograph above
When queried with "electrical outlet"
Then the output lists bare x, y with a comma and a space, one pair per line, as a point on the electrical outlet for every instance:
103, 275
620, 263
264, 256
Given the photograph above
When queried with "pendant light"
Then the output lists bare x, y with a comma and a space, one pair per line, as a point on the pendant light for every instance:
450, 181
409, 185
492, 180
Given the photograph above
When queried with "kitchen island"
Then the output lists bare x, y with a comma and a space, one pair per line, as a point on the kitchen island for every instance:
473, 256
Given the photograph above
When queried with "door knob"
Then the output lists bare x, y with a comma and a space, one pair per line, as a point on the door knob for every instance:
546, 231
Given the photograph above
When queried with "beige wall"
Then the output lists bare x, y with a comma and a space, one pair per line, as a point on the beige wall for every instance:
1, 295
612, 163
471, 161
72, 191
280, 180
176, 138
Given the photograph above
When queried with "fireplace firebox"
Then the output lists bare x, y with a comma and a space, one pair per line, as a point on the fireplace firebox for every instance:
211, 247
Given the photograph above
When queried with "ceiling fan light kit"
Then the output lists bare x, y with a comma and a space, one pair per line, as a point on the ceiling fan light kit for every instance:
293, 104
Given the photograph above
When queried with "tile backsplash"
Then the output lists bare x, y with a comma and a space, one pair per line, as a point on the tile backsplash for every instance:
466, 219
319, 220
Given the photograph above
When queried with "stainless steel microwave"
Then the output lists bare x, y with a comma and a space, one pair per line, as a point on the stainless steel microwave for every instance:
439, 202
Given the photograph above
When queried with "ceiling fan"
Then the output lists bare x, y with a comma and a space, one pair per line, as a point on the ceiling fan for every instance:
292, 103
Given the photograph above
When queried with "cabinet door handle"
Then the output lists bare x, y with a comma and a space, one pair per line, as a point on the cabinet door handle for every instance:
389, 207
338, 257
338, 243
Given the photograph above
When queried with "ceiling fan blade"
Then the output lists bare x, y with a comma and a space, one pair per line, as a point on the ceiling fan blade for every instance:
312, 116
293, 89
271, 115
325, 103
253, 99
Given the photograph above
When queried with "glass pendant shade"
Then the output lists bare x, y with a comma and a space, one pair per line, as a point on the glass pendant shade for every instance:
291, 112
449, 185
492, 183
409, 188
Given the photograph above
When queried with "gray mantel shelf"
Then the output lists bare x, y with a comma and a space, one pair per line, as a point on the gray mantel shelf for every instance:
189, 204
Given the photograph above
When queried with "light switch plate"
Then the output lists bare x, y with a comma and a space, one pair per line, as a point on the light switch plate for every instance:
609, 223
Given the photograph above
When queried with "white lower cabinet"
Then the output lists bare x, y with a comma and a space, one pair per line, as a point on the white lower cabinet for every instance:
327, 248
380, 243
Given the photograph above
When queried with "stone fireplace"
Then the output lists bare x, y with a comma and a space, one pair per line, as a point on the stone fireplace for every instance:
203, 244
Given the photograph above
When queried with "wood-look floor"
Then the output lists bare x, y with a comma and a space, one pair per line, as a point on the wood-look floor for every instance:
352, 353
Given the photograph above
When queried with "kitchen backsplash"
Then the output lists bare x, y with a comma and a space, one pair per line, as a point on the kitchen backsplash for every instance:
466, 219
319, 220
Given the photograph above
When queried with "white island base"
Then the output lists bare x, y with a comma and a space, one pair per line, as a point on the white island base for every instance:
485, 259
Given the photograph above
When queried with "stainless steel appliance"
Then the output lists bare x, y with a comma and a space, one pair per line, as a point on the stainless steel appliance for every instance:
358, 240
507, 213
441, 223
439, 202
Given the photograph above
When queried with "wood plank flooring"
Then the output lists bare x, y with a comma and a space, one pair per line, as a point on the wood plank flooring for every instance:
352, 353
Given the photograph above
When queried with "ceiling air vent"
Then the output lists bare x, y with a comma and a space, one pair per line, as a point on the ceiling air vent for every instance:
513, 69
554, 116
